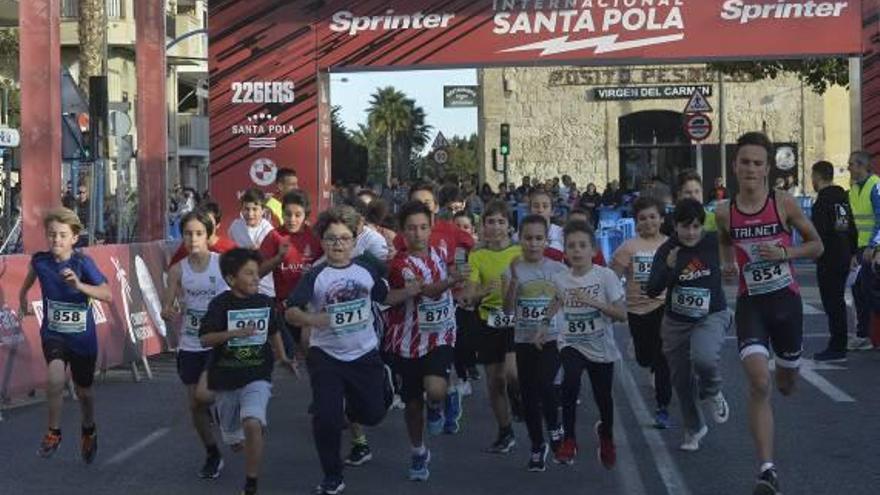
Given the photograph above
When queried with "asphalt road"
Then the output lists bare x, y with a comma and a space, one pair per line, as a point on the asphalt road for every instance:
827, 441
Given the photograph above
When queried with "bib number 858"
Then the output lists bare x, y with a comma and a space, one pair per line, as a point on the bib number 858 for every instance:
66, 316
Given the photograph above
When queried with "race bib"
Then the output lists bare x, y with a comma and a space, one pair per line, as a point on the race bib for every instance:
691, 301
350, 316
642, 263
244, 318
582, 326
192, 320
67, 317
435, 316
530, 311
763, 277
497, 319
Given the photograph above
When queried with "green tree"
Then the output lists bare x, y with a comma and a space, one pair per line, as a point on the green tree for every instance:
9, 73
389, 115
374, 143
817, 73
463, 156
349, 158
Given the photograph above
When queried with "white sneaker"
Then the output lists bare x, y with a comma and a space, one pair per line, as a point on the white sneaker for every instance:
398, 403
691, 441
720, 409
465, 389
860, 344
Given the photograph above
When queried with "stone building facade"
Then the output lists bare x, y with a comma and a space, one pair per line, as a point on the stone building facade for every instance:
599, 124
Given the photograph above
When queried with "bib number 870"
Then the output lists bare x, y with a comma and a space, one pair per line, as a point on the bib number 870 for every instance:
768, 273
345, 317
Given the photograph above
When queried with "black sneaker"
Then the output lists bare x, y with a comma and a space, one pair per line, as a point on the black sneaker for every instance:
829, 356
767, 483
330, 487
211, 469
360, 455
504, 443
538, 459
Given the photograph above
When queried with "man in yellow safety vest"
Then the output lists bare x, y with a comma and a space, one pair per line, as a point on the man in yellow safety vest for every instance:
864, 197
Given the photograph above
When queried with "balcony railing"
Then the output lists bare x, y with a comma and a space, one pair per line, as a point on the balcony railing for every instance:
193, 132
115, 9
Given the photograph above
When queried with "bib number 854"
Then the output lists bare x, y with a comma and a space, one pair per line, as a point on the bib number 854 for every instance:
766, 273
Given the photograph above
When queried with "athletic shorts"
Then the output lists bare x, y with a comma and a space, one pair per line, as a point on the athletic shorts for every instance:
771, 321
235, 406
413, 371
492, 344
82, 368
191, 364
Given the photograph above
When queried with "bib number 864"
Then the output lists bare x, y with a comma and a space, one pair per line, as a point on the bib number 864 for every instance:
533, 313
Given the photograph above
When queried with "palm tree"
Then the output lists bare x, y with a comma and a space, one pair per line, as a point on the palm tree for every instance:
92, 29
389, 115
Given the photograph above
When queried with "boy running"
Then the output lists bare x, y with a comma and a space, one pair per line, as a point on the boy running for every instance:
216, 243
687, 267
530, 291
69, 281
238, 326
590, 299
421, 334
633, 260
250, 229
755, 231
193, 283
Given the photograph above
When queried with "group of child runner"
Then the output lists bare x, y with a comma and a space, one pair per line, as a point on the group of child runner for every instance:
537, 314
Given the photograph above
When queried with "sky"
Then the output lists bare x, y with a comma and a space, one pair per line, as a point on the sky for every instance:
352, 92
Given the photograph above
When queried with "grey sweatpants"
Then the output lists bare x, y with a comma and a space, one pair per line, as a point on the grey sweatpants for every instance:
693, 351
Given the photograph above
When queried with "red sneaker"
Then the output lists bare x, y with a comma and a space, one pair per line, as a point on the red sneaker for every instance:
606, 451
566, 452
49, 444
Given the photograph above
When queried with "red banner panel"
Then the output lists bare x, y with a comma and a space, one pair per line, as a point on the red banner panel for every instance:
266, 56
128, 328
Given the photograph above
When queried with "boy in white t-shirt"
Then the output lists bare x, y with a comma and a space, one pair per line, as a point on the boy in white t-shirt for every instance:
250, 228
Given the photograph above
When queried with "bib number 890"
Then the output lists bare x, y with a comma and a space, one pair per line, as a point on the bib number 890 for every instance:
259, 324
688, 300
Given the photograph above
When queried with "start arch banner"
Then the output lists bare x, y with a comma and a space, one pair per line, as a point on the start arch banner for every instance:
270, 59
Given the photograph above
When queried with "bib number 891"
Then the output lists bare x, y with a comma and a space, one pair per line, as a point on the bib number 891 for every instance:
581, 326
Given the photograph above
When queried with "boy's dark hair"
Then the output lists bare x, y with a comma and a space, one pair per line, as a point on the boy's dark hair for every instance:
297, 197
580, 211
757, 139
421, 186
377, 212
825, 170
345, 215
687, 176
449, 193
411, 208
213, 208
689, 209
201, 216
535, 219
540, 191
576, 226
647, 202
465, 214
284, 173
252, 195
231, 261
496, 207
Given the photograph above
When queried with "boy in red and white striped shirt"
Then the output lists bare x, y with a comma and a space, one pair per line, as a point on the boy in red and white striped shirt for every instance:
421, 334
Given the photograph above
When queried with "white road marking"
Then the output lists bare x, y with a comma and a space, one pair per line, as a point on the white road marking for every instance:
669, 472
806, 336
140, 445
627, 470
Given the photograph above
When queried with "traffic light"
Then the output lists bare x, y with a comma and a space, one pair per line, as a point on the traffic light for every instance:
504, 148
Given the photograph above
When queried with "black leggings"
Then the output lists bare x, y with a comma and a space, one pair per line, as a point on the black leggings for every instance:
601, 378
466, 323
645, 331
537, 370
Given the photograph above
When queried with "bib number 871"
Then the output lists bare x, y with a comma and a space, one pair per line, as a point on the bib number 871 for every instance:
345, 317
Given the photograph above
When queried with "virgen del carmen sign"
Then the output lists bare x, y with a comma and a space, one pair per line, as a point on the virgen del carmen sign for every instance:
271, 59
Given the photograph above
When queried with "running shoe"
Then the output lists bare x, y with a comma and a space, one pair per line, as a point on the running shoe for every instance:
860, 344
661, 419
330, 487
435, 419
49, 444
452, 413
767, 483
829, 356
398, 403
89, 446
504, 444
465, 389
538, 459
720, 408
211, 469
606, 452
556, 436
691, 441
360, 455
418, 467
567, 452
